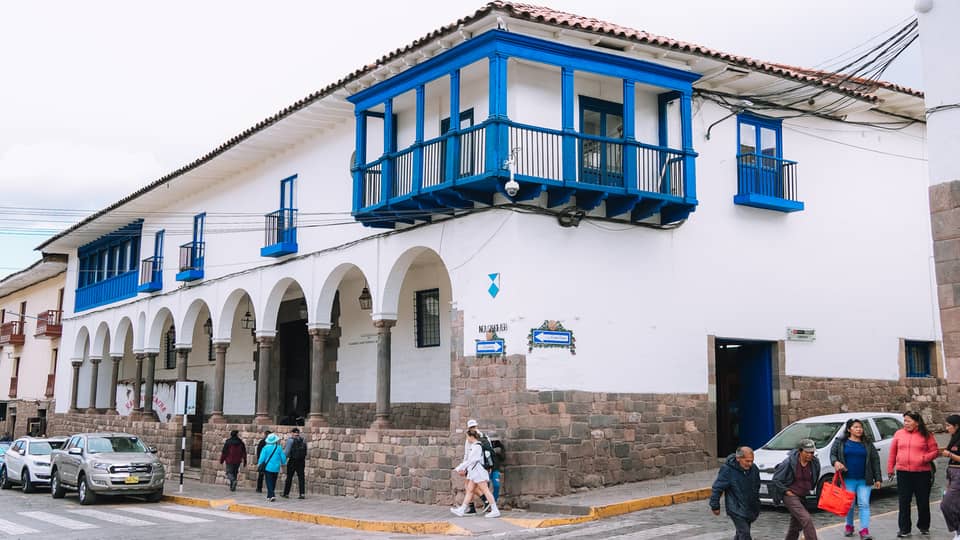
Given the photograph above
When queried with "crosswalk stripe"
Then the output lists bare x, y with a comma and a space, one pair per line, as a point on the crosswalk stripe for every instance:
164, 515
656, 532
111, 518
218, 513
710, 536
60, 521
10, 527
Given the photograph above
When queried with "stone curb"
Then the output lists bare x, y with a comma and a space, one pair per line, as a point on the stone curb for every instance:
616, 509
396, 527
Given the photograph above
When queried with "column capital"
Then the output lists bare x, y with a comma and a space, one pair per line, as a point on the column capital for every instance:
265, 340
140, 355
94, 360
319, 333
76, 362
184, 347
220, 345
384, 324
116, 358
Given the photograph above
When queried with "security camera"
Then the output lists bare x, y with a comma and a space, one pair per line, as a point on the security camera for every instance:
512, 187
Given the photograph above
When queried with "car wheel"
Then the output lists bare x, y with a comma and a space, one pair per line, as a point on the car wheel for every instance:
87, 496
4, 479
155, 497
56, 488
25, 481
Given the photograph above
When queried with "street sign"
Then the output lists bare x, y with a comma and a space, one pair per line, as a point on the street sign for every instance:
490, 347
186, 401
552, 337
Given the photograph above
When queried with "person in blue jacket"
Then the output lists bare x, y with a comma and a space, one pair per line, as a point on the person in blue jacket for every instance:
272, 457
739, 481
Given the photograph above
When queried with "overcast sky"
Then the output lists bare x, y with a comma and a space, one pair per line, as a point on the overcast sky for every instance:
100, 97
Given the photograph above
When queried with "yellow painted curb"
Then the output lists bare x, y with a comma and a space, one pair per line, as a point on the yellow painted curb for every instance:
401, 527
204, 503
616, 509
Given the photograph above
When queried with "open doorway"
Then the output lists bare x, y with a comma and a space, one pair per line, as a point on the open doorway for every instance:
745, 413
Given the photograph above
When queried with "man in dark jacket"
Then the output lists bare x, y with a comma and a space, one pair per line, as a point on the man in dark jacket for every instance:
739, 482
794, 479
234, 454
296, 450
260, 445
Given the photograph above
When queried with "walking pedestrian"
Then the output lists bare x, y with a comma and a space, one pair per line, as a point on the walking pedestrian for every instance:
234, 454
854, 455
272, 458
793, 480
260, 445
477, 478
739, 482
296, 450
950, 505
473, 426
911, 451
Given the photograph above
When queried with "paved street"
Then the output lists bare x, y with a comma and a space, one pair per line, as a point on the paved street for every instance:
38, 517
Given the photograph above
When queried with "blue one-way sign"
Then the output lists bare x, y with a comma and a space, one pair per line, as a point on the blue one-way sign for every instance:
552, 337
490, 347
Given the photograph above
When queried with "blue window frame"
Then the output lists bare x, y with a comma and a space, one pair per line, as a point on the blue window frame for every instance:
280, 227
286, 193
601, 158
151, 269
764, 178
106, 271
917, 356
192, 253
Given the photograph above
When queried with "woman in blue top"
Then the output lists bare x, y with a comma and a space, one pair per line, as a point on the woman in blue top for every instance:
272, 457
854, 455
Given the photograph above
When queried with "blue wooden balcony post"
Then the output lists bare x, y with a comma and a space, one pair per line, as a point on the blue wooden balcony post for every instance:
630, 178
418, 144
569, 133
360, 161
453, 147
498, 136
386, 175
689, 161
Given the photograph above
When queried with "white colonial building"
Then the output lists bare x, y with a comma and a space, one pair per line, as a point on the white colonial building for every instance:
607, 246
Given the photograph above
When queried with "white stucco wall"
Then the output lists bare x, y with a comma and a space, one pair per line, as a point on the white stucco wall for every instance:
941, 84
36, 353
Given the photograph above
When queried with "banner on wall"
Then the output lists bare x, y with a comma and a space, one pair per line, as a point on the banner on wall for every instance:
164, 398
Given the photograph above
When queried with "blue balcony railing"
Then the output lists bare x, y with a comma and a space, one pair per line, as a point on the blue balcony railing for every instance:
104, 292
767, 182
280, 233
151, 274
191, 261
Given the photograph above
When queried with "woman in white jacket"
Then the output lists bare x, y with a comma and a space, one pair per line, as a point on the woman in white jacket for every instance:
477, 478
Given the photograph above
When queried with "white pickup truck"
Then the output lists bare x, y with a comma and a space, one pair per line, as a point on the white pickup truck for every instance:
106, 464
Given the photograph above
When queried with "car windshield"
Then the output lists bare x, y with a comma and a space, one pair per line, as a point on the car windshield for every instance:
104, 445
42, 448
821, 433
4, 446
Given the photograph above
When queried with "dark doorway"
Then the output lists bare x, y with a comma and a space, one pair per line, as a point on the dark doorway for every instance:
295, 371
744, 394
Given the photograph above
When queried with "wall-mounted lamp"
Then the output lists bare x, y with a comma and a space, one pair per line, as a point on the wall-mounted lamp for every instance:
366, 301
208, 327
303, 309
248, 322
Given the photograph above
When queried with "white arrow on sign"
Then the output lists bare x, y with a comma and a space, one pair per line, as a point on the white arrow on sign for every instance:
545, 336
490, 346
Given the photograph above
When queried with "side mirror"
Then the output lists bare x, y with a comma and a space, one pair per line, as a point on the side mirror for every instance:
75, 451
152, 449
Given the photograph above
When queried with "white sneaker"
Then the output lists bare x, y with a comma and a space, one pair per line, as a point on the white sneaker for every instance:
458, 511
495, 512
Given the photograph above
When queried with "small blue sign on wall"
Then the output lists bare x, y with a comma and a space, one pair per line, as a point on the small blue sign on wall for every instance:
551, 335
492, 347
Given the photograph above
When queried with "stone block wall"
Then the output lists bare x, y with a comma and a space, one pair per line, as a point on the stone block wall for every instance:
945, 227
402, 415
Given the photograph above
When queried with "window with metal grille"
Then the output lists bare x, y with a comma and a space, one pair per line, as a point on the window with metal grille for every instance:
427, 306
170, 349
918, 358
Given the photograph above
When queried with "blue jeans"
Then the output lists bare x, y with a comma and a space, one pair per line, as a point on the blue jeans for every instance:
271, 483
495, 484
862, 489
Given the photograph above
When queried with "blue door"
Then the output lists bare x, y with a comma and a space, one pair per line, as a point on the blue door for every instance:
601, 149
744, 391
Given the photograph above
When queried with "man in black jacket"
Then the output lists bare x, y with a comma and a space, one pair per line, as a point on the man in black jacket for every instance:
260, 445
794, 479
739, 482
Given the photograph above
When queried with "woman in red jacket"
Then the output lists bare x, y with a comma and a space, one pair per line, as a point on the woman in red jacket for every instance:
911, 451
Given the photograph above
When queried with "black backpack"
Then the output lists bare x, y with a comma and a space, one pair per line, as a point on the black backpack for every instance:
487, 452
299, 449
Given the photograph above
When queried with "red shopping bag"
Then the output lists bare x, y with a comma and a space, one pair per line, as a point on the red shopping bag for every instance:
835, 498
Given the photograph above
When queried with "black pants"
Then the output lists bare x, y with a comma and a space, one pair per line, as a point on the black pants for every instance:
294, 466
914, 485
742, 526
259, 481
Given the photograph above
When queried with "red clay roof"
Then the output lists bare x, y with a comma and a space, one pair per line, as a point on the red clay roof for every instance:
529, 12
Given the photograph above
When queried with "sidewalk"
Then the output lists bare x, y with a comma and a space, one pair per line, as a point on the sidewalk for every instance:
412, 518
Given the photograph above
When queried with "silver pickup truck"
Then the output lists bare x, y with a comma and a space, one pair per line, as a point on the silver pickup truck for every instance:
106, 464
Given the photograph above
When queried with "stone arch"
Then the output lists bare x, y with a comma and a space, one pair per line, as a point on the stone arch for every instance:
120, 336
155, 335
100, 348
80, 346
387, 305
186, 326
328, 292
268, 319
233, 304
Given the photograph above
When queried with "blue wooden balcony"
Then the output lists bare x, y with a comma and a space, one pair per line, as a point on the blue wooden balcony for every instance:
767, 182
113, 289
191, 261
151, 275
280, 233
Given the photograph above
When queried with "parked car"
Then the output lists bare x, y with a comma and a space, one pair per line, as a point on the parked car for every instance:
4, 446
824, 430
106, 464
27, 462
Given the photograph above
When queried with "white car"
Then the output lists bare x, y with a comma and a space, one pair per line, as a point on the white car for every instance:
27, 462
824, 430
